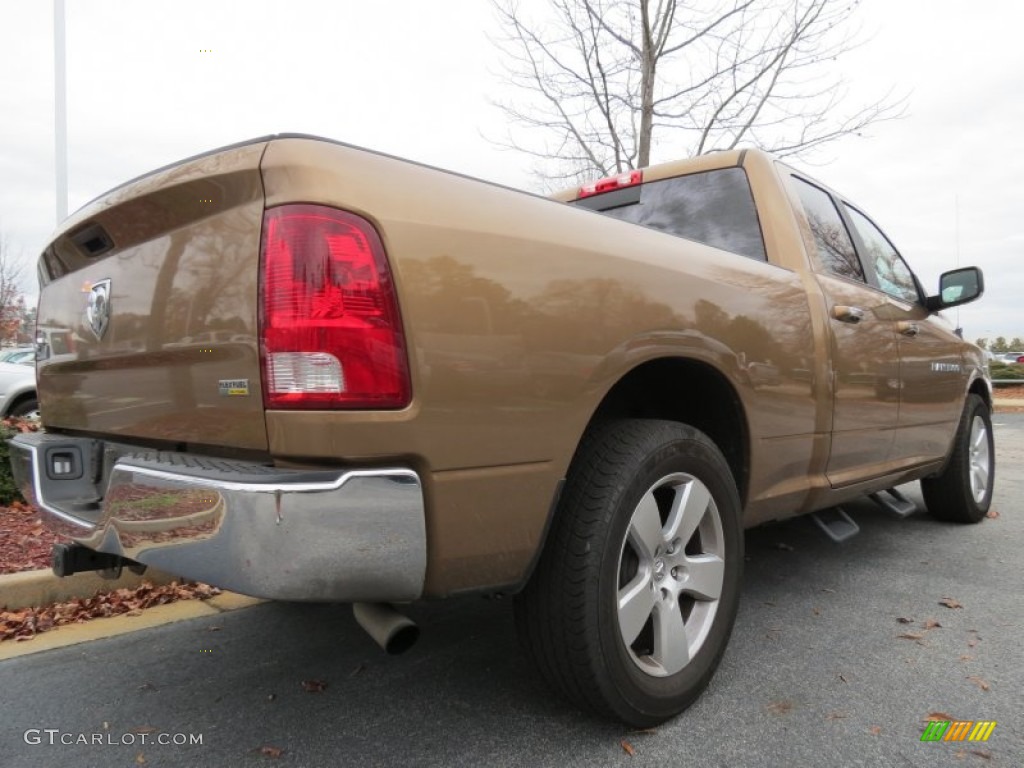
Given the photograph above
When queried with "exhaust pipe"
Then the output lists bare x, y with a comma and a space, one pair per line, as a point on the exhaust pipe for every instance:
391, 630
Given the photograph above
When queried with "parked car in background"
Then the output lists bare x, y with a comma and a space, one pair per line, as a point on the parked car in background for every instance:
18, 390
1010, 358
18, 355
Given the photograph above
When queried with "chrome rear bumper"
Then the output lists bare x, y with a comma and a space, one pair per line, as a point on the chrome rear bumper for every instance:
335, 535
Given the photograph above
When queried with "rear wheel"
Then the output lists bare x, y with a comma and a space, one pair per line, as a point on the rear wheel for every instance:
962, 492
635, 594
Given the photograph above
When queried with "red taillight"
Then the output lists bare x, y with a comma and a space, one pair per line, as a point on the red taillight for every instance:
331, 333
628, 179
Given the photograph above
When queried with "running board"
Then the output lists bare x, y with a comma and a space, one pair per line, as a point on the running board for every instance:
894, 502
836, 524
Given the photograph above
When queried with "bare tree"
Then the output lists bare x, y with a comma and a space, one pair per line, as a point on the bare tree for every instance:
12, 299
603, 83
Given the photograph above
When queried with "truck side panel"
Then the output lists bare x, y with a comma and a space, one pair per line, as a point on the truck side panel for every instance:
520, 315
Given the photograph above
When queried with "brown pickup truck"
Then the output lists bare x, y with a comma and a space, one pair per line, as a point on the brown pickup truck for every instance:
307, 371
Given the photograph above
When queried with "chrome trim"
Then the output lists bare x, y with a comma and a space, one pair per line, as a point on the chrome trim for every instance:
69, 523
357, 535
333, 485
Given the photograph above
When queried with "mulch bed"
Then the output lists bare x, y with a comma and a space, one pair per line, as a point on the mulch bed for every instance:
1010, 392
25, 543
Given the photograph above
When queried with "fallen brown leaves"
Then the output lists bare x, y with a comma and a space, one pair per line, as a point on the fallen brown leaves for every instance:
950, 602
918, 637
627, 748
26, 623
780, 707
983, 684
269, 751
25, 544
314, 686
983, 754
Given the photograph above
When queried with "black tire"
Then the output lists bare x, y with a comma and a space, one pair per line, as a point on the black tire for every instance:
590, 588
26, 408
962, 492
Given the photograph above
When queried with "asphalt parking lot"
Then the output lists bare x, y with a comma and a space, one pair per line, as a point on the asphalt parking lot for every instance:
817, 672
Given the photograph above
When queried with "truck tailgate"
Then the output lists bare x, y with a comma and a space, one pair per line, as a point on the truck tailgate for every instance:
147, 321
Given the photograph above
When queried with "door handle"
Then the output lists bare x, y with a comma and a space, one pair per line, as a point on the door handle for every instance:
847, 314
908, 328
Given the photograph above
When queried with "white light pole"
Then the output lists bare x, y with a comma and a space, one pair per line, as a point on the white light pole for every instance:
60, 111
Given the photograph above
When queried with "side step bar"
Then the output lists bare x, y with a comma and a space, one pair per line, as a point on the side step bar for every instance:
894, 502
836, 524
839, 526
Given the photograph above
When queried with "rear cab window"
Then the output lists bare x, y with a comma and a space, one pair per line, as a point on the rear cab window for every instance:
714, 207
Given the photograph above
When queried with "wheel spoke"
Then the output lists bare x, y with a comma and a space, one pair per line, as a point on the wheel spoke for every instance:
980, 464
982, 460
671, 647
978, 436
706, 577
688, 509
645, 532
979, 481
636, 601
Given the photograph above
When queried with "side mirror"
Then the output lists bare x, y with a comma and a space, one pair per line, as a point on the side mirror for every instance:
957, 286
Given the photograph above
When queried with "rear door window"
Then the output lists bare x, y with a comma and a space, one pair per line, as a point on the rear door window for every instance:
713, 207
834, 251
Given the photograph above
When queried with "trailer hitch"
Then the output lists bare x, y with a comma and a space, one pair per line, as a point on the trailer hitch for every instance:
68, 559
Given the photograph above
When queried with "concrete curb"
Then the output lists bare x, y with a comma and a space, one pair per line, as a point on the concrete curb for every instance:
33, 588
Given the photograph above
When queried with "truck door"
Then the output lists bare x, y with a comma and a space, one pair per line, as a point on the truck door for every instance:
931, 373
864, 352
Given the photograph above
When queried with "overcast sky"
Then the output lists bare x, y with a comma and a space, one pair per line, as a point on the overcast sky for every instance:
414, 78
